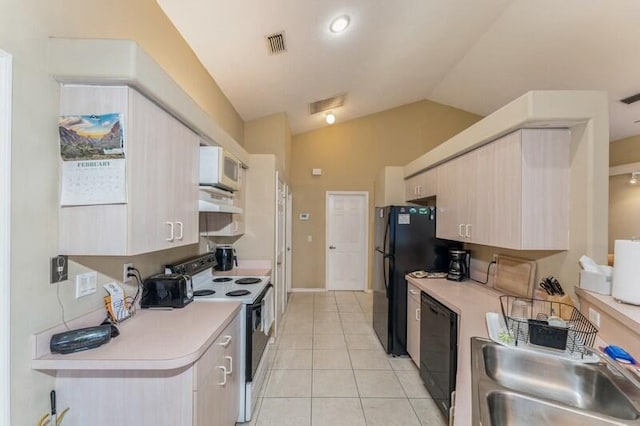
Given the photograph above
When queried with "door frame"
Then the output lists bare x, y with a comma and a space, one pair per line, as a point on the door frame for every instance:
5, 233
365, 251
288, 237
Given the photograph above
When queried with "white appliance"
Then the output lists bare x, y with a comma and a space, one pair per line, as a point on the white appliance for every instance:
254, 294
626, 270
219, 168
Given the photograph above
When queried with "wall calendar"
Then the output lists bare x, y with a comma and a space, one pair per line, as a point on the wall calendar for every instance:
92, 149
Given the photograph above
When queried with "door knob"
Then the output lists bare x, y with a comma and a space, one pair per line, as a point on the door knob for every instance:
332, 247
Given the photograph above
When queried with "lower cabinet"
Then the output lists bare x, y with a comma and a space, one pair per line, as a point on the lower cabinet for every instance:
413, 323
216, 391
204, 393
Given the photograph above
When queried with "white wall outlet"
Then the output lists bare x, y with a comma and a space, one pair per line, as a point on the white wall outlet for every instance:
86, 284
594, 317
309, 238
125, 272
495, 257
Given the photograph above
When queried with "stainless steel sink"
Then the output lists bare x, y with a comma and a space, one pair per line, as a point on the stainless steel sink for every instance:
516, 387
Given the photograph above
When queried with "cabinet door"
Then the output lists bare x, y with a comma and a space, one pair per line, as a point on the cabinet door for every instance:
421, 186
413, 323
217, 380
498, 204
149, 174
455, 196
182, 189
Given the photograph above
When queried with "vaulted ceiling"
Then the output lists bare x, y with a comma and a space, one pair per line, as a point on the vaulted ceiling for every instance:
476, 55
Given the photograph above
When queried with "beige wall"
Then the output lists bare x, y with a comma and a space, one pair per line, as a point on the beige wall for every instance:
624, 206
624, 198
270, 135
25, 26
624, 151
350, 155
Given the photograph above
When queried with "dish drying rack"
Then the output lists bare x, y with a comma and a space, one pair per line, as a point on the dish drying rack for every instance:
580, 332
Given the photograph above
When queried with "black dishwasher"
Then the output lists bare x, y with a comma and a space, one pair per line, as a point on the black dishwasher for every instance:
438, 350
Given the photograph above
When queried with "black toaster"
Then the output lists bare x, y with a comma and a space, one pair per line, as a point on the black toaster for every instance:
166, 291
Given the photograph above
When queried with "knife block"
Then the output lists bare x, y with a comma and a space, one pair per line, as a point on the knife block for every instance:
566, 309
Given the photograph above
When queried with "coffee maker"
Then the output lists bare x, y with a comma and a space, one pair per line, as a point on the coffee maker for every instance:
458, 264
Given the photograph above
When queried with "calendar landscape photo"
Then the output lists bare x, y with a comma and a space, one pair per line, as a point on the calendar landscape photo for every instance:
91, 137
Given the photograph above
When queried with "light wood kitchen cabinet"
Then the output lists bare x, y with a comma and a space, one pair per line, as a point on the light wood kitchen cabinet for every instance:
512, 193
161, 210
457, 191
421, 186
413, 323
216, 391
525, 176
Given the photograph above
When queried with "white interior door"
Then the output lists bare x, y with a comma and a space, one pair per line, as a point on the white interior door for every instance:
347, 240
5, 240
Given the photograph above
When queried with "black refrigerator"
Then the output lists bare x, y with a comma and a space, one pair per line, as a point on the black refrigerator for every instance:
405, 241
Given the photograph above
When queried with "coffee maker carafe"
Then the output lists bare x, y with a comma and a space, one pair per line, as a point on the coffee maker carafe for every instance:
226, 257
458, 265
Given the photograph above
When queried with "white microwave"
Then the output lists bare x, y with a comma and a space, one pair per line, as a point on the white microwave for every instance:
219, 168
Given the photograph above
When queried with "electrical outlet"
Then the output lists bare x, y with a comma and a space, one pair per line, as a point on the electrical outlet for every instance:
125, 272
86, 284
594, 317
495, 257
59, 269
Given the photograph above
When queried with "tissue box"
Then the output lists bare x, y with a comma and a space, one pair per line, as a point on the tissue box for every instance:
597, 283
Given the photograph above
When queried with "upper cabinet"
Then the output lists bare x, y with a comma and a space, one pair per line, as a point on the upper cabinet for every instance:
421, 186
161, 208
512, 193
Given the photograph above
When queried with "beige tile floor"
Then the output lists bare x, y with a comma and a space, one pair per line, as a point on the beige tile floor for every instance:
329, 369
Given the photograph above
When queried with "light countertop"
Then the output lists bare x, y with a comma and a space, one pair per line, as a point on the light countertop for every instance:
471, 301
247, 272
150, 340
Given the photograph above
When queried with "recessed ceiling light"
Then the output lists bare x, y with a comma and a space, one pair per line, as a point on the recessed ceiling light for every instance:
330, 118
339, 24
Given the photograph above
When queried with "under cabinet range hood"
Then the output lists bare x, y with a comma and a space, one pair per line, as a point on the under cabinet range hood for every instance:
212, 199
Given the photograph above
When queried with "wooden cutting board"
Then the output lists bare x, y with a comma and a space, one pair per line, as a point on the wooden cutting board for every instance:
515, 276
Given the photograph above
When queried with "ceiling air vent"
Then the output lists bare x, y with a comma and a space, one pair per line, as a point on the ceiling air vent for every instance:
327, 104
631, 99
275, 43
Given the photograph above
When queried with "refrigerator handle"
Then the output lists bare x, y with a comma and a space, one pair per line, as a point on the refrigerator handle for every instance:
386, 255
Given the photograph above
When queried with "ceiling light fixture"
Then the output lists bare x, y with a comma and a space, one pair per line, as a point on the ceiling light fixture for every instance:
339, 24
634, 178
330, 118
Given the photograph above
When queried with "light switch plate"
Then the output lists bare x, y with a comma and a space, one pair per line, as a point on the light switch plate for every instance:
594, 317
86, 284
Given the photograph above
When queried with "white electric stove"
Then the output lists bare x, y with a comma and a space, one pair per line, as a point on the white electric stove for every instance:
256, 295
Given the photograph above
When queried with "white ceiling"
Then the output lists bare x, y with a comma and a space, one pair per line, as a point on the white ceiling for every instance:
476, 55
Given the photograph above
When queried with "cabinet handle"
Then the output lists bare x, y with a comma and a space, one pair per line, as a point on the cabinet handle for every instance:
419, 189
226, 341
467, 232
170, 224
418, 314
180, 226
460, 231
230, 364
451, 415
224, 375
413, 291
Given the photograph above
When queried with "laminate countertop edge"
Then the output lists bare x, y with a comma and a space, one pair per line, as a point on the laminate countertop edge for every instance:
471, 302
152, 340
